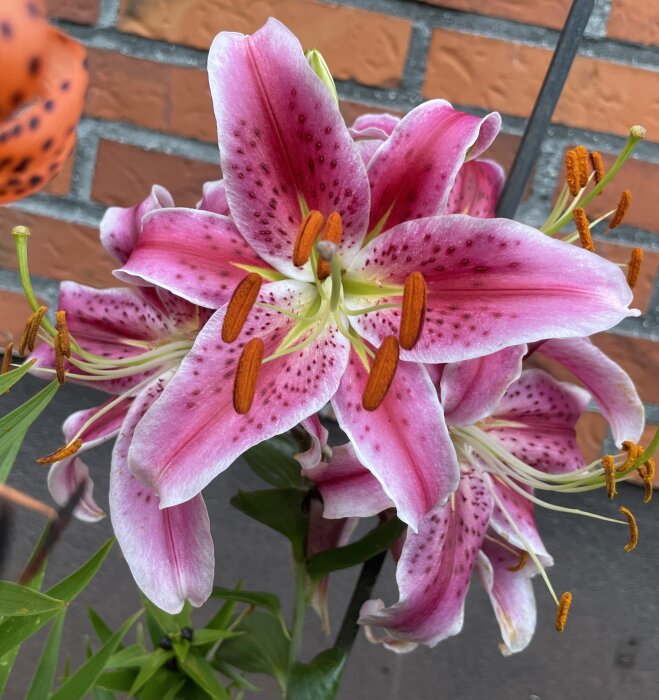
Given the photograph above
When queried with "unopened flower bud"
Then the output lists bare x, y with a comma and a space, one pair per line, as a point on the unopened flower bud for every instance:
320, 68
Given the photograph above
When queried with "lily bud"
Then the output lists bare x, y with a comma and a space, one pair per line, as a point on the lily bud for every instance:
320, 68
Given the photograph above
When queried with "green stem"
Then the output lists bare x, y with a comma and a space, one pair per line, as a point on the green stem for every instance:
298, 616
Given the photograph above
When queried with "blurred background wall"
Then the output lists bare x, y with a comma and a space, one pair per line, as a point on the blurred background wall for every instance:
148, 119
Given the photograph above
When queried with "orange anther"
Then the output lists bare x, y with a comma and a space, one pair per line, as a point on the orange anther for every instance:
414, 310
310, 227
523, 558
598, 166
247, 373
609, 467
622, 208
584, 165
563, 609
572, 176
242, 301
634, 267
63, 452
583, 228
633, 529
382, 373
60, 367
332, 231
63, 332
6, 358
36, 323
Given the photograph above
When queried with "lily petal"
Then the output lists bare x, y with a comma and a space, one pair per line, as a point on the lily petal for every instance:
282, 142
546, 412
612, 389
434, 570
476, 189
492, 283
120, 227
511, 594
385, 123
214, 198
471, 390
169, 551
318, 434
192, 253
413, 172
209, 433
404, 443
347, 487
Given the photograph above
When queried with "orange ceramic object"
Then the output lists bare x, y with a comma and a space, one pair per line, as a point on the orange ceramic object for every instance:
43, 77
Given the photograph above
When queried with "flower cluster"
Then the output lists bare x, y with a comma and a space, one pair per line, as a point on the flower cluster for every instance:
361, 268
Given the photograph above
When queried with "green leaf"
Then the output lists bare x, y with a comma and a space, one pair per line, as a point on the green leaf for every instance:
373, 542
103, 694
149, 668
10, 378
120, 679
77, 685
17, 600
280, 509
319, 679
164, 622
14, 425
205, 636
44, 676
15, 630
233, 675
259, 599
70, 588
262, 648
163, 686
132, 656
274, 462
202, 673
103, 631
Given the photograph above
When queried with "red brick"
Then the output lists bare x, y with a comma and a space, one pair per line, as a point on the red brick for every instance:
160, 97
125, 174
631, 20
78, 11
61, 183
547, 13
505, 76
358, 44
14, 312
58, 249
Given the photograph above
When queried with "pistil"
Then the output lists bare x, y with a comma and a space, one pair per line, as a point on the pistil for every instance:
332, 232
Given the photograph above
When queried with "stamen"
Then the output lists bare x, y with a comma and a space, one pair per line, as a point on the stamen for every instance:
382, 373
563, 609
633, 529
247, 373
62, 453
6, 358
332, 231
22, 343
646, 472
583, 228
60, 369
634, 267
572, 176
598, 166
63, 333
310, 227
241, 303
584, 165
608, 464
633, 451
414, 310
523, 558
621, 210
36, 322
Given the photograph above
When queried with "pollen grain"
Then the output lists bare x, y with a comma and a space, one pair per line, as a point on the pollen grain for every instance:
241, 303
634, 267
633, 529
63, 333
413, 311
608, 464
382, 373
311, 226
63, 452
247, 374
623, 207
563, 610
583, 228
598, 166
572, 172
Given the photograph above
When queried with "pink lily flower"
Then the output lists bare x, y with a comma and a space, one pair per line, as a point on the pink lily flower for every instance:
517, 440
275, 352
129, 342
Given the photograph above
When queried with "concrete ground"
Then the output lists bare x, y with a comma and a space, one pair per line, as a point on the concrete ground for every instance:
609, 651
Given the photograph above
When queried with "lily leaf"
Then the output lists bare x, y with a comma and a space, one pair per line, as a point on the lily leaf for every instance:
203, 674
149, 668
206, 636
120, 679
163, 686
373, 542
44, 676
103, 631
259, 599
10, 378
262, 648
76, 686
319, 679
280, 509
273, 461
17, 600
71, 587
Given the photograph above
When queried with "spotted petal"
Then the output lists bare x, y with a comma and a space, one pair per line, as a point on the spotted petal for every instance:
385, 123
282, 141
491, 283
413, 172
347, 487
511, 594
318, 435
434, 570
476, 189
612, 389
169, 551
194, 254
120, 227
209, 435
214, 198
404, 443
470, 390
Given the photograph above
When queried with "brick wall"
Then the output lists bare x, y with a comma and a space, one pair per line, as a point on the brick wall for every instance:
148, 117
